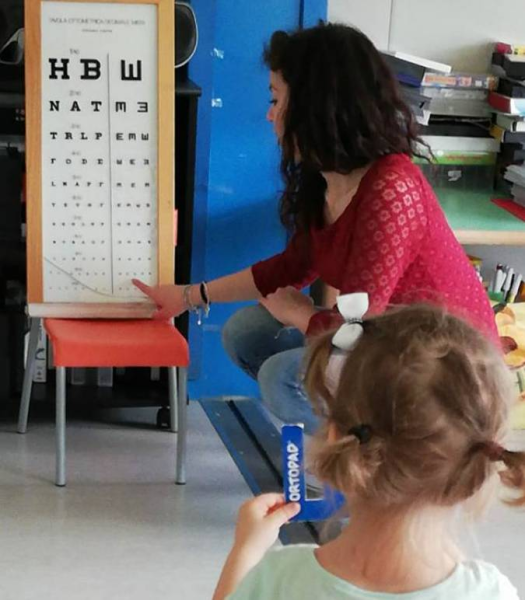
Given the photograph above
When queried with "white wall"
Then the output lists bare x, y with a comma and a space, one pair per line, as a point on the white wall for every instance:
457, 32
370, 16
460, 32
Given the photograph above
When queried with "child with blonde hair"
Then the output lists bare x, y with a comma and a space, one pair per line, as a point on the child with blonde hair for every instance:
415, 416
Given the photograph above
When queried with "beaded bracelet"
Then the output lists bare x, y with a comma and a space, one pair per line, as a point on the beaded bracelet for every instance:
186, 297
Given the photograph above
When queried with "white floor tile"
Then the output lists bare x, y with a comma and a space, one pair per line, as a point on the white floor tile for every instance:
121, 529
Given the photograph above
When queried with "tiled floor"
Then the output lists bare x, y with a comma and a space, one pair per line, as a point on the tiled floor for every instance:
122, 530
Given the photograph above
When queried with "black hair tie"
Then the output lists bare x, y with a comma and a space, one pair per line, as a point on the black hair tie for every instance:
362, 432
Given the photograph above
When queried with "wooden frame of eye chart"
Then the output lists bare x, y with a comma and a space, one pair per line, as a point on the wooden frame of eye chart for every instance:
100, 118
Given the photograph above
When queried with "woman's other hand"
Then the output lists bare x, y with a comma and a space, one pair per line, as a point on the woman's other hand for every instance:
290, 307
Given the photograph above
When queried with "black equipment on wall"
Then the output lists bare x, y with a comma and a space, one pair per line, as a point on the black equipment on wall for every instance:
11, 19
186, 33
11, 169
187, 95
11, 45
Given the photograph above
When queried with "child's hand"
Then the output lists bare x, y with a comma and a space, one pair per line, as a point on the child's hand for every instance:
259, 522
257, 529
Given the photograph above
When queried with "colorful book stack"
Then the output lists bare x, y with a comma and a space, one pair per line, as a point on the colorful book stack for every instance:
456, 123
508, 104
409, 71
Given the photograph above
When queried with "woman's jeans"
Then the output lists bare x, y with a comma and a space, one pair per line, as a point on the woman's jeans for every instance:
273, 355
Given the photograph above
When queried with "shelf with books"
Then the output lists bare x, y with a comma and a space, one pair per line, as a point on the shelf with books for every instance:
475, 219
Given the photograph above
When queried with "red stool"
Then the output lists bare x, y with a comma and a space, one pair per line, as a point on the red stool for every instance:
123, 343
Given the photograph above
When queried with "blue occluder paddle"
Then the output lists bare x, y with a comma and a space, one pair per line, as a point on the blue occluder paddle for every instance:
294, 480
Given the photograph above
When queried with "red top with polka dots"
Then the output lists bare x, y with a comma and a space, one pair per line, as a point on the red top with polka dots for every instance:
393, 242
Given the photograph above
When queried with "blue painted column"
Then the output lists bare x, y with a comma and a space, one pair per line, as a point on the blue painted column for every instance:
236, 213
313, 11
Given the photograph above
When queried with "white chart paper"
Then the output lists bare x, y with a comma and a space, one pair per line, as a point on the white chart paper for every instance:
99, 150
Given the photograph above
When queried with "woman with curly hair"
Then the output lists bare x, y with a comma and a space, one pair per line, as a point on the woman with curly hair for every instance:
362, 216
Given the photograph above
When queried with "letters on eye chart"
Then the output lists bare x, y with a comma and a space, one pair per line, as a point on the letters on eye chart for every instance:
100, 150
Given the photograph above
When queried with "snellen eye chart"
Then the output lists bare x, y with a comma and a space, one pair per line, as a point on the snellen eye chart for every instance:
100, 176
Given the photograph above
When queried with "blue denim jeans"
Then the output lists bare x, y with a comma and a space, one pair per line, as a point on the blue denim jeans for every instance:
273, 355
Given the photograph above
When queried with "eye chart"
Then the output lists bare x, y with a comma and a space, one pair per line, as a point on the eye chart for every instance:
100, 104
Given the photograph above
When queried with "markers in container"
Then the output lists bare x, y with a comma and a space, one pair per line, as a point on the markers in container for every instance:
521, 293
500, 279
492, 285
515, 287
507, 283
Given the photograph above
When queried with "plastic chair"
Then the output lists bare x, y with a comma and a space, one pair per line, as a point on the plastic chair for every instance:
109, 343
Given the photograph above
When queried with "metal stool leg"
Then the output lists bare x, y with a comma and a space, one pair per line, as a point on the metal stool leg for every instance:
28, 375
183, 427
60, 479
174, 394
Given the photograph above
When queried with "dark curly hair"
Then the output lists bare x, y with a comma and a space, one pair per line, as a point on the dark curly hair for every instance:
344, 111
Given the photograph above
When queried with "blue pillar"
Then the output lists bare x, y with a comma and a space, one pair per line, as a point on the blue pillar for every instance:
312, 11
238, 180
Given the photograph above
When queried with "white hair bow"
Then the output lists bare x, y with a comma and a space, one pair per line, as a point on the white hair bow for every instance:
353, 308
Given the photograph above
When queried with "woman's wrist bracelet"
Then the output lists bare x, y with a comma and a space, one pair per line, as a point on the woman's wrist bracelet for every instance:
191, 307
